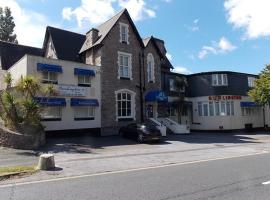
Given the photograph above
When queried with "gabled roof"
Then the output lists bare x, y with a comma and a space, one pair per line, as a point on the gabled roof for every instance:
147, 41
11, 53
67, 44
107, 26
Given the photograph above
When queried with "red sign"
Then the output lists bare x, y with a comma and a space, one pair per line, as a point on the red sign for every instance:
228, 97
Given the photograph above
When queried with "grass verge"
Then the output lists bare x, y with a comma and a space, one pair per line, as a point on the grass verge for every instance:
17, 171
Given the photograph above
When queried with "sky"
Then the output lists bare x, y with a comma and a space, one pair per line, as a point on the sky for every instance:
200, 35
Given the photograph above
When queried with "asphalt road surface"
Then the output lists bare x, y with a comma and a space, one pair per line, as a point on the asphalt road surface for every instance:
242, 178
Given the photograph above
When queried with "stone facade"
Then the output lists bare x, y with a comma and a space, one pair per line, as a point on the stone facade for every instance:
107, 57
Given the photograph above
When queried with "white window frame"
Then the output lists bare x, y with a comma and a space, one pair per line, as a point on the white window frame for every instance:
216, 108
150, 68
251, 81
129, 66
51, 117
126, 38
219, 80
172, 85
132, 104
90, 113
84, 82
49, 79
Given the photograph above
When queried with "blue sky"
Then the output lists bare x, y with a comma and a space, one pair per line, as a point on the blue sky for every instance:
199, 35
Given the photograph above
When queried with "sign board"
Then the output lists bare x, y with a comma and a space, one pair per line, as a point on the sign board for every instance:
224, 98
71, 91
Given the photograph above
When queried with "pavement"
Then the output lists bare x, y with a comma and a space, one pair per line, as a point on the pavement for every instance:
90, 155
238, 178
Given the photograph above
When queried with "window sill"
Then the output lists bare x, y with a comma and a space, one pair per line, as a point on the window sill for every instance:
151, 82
84, 85
124, 78
125, 119
49, 82
84, 119
124, 42
51, 119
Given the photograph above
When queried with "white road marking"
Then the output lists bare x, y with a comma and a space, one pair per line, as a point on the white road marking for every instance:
128, 170
266, 183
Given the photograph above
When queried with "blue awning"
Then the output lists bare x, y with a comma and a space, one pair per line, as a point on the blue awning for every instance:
49, 67
51, 101
249, 104
86, 72
156, 95
83, 102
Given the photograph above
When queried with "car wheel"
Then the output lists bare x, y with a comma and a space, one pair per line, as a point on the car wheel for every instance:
140, 138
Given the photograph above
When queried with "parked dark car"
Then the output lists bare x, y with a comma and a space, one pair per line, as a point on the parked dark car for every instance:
142, 132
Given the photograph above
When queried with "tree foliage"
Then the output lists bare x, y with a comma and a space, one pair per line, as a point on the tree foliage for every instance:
261, 91
18, 107
7, 26
180, 85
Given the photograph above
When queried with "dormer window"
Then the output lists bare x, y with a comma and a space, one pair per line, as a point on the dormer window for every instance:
124, 33
219, 80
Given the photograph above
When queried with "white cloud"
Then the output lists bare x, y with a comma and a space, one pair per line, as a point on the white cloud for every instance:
194, 27
181, 70
169, 56
251, 15
30, 26
94, 11
137, 9
223, 46
90, 11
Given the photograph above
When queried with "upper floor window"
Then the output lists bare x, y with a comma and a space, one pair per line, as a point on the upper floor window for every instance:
49, 77
84, 80
124, 33
150, 68
124, 64
219, 79
251, 81
125, 103
172, 85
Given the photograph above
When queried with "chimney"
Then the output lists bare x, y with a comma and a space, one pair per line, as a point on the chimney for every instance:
92, 36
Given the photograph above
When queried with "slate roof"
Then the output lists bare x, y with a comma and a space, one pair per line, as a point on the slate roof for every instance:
106, 27
11, 53
67, 44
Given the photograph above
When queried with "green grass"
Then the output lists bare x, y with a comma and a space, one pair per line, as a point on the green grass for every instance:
16, 169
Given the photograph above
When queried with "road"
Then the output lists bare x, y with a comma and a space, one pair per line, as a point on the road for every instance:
234, 178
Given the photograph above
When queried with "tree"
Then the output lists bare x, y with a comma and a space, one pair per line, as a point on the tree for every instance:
7, 26
261, 91
18, 108
180, 84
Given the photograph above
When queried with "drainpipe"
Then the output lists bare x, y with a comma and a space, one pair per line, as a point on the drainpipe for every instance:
141, 86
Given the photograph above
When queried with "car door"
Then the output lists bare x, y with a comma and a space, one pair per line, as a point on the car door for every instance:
132, 128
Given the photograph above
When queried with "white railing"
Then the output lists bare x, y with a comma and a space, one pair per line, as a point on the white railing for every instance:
160, 126
174, 126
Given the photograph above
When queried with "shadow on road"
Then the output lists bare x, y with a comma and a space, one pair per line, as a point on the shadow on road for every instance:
213, 138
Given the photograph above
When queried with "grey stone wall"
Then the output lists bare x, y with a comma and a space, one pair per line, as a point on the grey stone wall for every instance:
107, 57
15, 140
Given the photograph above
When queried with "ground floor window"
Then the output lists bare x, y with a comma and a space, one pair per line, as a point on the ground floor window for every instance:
125, 103
84, 113
218, 108
249, 111
51, 113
